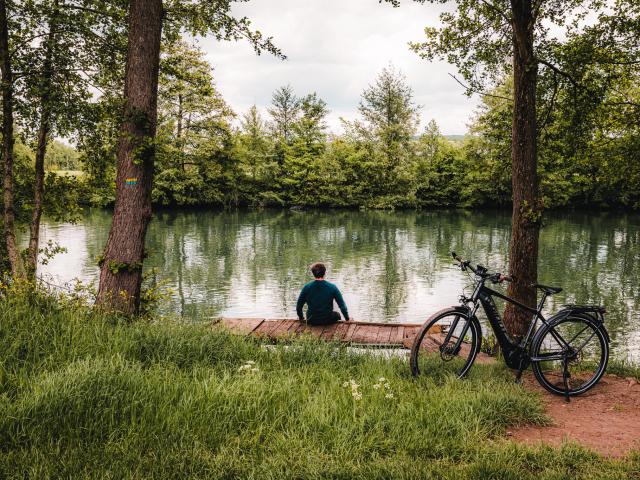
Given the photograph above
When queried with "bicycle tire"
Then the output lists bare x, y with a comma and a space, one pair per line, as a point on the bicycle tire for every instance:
544, 377
440, 318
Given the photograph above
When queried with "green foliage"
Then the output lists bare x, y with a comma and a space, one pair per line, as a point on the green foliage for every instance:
61, 157
86, 395
588, 139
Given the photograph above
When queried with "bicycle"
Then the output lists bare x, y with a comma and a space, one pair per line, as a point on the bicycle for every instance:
563, 357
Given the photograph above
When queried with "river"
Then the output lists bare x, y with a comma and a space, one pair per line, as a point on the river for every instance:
390, 266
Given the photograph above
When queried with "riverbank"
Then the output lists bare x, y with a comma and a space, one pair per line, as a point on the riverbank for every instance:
87, 395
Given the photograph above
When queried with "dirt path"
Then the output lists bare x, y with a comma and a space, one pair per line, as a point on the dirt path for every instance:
606, 419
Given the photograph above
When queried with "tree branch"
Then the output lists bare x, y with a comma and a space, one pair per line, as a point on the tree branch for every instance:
484, 94
496, 10
557, 70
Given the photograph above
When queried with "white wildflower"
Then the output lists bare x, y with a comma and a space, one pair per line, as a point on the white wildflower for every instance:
377, 386
389, 395
382, 380
355, 389
249, 366
387, 386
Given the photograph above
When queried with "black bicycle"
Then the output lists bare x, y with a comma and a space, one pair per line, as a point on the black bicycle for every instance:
568, 353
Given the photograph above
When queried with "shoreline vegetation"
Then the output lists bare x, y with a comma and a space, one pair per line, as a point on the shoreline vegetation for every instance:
287, 157
85, 394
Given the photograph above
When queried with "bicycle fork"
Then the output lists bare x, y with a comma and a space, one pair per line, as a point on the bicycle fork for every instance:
456, 348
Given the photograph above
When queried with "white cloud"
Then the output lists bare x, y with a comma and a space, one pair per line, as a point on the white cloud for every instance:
336, 48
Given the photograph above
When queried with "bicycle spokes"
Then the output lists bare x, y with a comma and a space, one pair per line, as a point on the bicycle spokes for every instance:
570, 355
446, 345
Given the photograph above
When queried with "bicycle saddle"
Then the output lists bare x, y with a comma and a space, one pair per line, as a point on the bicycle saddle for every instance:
547, 289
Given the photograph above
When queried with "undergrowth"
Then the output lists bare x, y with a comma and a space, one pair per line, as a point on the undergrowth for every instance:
87, 395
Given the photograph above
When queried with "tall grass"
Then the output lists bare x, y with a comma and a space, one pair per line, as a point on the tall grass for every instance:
87, 395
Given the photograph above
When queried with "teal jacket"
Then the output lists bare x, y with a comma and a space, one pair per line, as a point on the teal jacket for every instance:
319, 296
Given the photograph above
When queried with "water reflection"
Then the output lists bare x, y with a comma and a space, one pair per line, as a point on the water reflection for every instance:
390, 266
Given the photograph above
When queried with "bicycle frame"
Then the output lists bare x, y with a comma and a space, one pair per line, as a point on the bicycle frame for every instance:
514, 352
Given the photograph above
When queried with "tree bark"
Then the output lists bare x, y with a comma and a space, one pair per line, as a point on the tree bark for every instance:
121, 263
43, 138
525, 223
13, 252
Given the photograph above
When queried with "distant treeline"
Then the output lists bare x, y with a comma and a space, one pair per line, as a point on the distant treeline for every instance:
589, 152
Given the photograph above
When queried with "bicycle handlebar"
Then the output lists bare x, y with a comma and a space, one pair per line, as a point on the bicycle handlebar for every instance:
481, 271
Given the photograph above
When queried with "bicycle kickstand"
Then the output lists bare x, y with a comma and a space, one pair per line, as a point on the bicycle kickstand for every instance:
518, 378
565, 377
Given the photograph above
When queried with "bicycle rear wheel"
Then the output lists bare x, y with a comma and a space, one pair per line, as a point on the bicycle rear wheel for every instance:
573, 352
447, 344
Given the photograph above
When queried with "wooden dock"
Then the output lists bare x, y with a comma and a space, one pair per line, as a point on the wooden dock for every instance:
355, 333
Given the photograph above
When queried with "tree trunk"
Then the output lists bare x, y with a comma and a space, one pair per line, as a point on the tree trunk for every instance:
525, 223
43, 138
13, 252
121, 264
179, 130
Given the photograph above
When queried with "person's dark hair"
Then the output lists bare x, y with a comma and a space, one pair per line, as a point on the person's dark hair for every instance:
318, 270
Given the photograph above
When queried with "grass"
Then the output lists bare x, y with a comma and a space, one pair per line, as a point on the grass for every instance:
86, 395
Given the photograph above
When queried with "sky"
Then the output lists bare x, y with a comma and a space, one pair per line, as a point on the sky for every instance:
336, 48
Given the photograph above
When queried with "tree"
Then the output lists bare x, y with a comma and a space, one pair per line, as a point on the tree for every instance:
46, 101
389, 120
284, 111
190, 108
121, 263
53, 49
437, 182
387, 107
12, 250
477, 37
310, 129
194, 126
254, 147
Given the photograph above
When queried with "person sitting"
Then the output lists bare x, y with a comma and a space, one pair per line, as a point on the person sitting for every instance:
319, 295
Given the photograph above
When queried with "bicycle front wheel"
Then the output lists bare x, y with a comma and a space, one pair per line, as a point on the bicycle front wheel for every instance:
447, 344
570, 356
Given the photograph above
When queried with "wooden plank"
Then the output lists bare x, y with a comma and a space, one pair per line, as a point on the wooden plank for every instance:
398, 336
384, 334
350, 332
315, 330
241, 325
349, 335
267, 327
341, 330
282, 330
300, 328
329, 332
295, 324
359, 334
409, 335
370, 334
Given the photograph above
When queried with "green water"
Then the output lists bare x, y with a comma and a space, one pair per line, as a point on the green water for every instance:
391, 266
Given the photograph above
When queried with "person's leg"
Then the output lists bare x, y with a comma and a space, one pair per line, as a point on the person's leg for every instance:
333, 318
